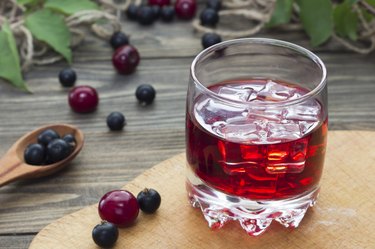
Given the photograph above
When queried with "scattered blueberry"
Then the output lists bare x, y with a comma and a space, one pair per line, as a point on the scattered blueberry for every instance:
145, 15
118, 39
115, 121
35, 154
209, 17
46, 136
145, 94
105, 234
156, 10
67, 77
132, 12
57, 150
167, 13
214, 4
149, 200
126, 59
209, 39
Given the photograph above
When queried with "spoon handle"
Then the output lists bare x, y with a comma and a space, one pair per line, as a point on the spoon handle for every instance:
11, 169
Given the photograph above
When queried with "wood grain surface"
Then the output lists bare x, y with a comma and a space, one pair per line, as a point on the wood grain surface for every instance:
342, 218
153, 134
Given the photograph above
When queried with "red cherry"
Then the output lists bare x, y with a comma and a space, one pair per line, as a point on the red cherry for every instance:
83, 99
119, 207
185, 9
125, 59
159, 2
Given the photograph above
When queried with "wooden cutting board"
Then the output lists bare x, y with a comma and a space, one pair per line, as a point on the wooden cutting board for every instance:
343, 217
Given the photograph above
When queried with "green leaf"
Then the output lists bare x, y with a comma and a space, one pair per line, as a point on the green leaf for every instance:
317, 19
50, 27
371, 2
70, 6
346, 21
281, 13
10, 68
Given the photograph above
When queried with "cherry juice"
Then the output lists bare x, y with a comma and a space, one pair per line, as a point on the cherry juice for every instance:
257, 152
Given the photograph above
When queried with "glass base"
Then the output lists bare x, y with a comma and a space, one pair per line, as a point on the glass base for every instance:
254, 216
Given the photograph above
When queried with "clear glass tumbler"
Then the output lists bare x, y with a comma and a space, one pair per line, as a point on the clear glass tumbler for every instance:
256, 132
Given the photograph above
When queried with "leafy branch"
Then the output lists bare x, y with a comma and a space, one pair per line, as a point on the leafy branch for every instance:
44, 31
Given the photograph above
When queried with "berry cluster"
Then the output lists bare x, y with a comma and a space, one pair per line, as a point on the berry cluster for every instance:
209, 17
155, 9
50, 148
120, 208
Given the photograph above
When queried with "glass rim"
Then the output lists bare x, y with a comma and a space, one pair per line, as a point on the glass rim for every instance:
267, 41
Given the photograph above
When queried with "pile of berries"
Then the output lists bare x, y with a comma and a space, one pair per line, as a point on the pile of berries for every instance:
120, 208
209, 17
50, 148
155, 9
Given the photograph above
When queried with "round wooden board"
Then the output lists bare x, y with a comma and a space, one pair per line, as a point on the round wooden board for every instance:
342, 218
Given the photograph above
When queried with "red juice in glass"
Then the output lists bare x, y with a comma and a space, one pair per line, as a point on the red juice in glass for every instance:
261, 155
256, 132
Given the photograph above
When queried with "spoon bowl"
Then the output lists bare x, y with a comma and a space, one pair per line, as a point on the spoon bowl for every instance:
12, 164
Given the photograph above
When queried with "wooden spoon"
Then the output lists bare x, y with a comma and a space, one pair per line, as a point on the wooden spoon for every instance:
13, 166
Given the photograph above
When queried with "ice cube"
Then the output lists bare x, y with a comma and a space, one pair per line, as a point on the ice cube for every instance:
238, 93
303, 112
238, 129
278, 132
274, 114
275, 92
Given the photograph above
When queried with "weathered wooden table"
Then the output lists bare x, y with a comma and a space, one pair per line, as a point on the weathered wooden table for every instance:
153, 133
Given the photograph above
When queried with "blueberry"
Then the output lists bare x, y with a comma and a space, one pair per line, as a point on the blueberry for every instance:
149, 200
70, 140
35, 154
167, 13
46, 136
145, 94
132, 12
67, 77
57, 150
214, 4
105, 234
209, 39
209, 17
118, 39
145, 15
115, 121
156, 9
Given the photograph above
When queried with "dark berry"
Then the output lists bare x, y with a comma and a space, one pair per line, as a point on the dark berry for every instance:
70, 140
145, 94
145, 15
214, 4
83, 99
209, 39
105, 234
115, 121
46, 136
149, 200
132, 12
185, 9
125, 59
35, 154
159, 2
67, 77
119, 207
209, 17
118, 39
156, 9
58, 150
167, 13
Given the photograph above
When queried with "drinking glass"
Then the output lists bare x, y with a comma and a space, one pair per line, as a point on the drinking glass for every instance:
256, 132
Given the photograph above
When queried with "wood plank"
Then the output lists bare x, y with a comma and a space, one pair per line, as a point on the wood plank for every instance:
342, 217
